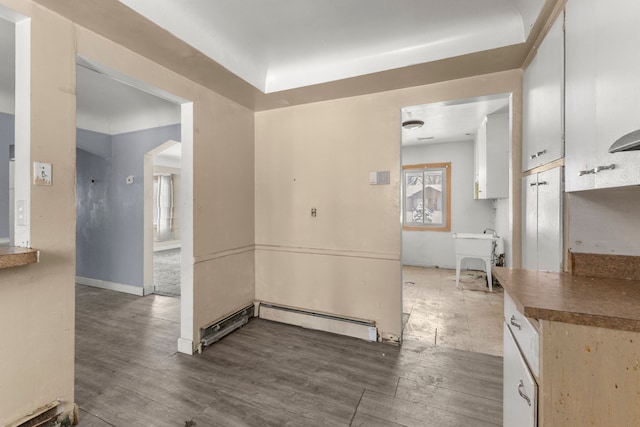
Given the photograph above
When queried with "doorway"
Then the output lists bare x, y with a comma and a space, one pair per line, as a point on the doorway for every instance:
434, 310
163, 171
119, 121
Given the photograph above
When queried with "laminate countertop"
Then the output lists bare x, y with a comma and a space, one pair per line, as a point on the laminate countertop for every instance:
15, 257
581, 300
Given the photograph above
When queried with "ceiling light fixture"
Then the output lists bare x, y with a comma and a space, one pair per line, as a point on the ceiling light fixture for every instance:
412, 124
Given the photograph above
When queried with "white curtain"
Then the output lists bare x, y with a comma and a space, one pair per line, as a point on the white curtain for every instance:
163, 207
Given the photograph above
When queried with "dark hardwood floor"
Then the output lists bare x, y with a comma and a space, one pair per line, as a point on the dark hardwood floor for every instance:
128, 373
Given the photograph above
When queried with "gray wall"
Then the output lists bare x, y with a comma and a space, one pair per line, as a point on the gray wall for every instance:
7, 136
435, 248
110, 217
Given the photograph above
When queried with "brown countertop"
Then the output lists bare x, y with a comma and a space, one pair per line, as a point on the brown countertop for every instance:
581, 300
13, 257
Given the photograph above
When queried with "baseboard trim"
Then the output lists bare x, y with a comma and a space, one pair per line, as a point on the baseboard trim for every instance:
356, 328
112, 286
185, 346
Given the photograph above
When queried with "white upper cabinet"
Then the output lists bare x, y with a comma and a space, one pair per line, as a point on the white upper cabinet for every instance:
602, 92
492, 157
543, 102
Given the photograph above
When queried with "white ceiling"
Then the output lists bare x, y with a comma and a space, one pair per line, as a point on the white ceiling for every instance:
457, 120
277, 45
281, 44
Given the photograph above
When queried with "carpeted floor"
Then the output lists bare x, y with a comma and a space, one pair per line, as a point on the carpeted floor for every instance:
166, 272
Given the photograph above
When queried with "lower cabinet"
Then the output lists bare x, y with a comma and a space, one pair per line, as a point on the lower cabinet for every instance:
587, 375
520, 391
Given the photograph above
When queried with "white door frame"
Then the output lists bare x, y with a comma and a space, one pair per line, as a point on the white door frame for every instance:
185, 342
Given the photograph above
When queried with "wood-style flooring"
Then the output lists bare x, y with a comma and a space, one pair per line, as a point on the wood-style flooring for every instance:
437, 312
266, 374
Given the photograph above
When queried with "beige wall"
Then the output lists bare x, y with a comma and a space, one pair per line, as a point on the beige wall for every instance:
37, 302
346, 261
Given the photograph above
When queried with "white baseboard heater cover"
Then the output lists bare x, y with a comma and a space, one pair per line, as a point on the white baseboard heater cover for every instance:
224, 327
363, 329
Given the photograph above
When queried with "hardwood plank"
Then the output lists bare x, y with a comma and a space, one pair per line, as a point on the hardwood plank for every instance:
366, 420
404, 412
485, 409
266, 374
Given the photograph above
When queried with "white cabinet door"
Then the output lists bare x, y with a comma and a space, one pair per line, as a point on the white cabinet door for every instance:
542, 221
580, 121
520, 391
481, 161
530, 222
543, 101
492, 157
603, 92
550, 220
617, 89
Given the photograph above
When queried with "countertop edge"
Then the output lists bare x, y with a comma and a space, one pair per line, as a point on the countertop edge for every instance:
17, 257
534, 307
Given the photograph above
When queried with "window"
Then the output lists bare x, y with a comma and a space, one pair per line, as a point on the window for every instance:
427, 197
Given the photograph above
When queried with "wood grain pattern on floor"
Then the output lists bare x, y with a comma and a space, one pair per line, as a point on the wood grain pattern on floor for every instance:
128, 373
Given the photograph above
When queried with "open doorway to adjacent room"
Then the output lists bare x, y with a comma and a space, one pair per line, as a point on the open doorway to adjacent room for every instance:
165, 177
120, 121
447, 158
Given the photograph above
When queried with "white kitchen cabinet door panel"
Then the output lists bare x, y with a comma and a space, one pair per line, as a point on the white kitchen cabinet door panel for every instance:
530, 226
543, 101
520, 391
549, 220
580, 102
618, 89
602, 92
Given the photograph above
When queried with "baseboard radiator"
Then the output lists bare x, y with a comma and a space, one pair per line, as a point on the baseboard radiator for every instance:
357, 328
224, 327
46, 416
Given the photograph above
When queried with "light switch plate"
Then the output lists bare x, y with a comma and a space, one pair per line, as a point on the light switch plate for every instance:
42, 173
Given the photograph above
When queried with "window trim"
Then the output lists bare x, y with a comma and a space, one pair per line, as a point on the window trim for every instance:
447, 226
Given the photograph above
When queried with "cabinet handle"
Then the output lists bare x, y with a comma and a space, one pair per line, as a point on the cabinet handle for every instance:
533, 184
596, 169
603, 168
514, 323
543, 183
538, 154
522, 393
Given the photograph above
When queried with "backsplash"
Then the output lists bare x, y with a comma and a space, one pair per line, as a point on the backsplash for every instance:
609, 266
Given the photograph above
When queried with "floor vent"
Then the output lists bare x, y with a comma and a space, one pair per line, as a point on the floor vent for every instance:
221, 329
357, 328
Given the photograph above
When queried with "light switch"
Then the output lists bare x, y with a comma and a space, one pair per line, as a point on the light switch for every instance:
130, 179
42, 173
